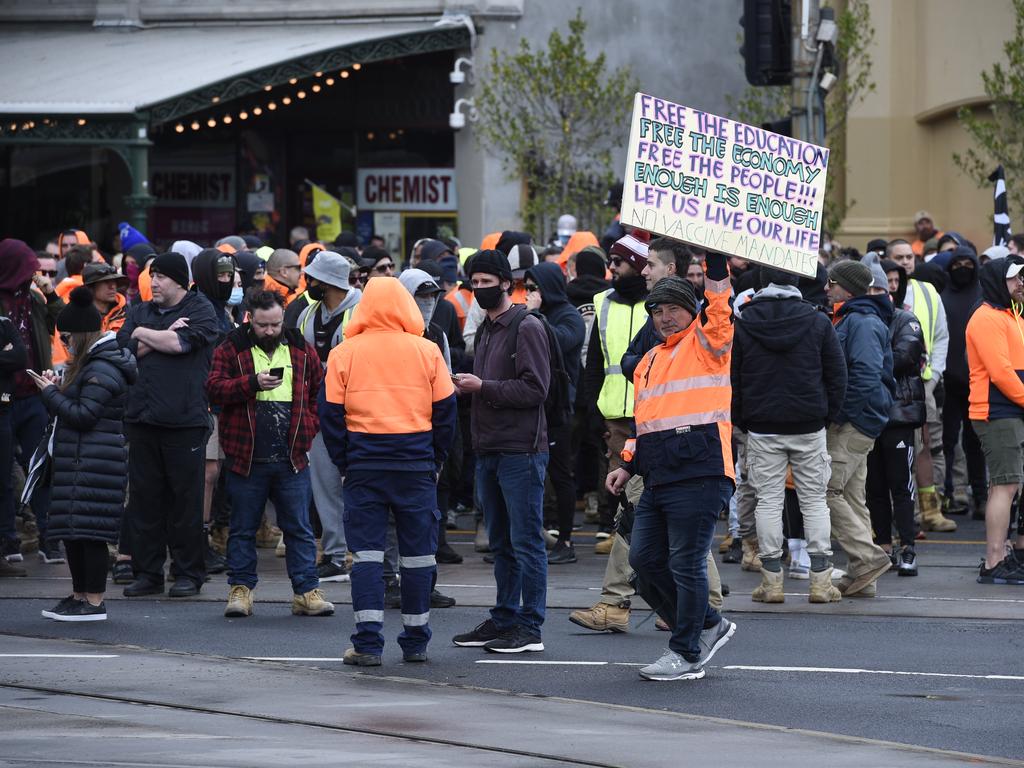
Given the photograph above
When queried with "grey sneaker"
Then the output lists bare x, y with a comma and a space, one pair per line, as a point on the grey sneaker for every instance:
714, 638
672, 666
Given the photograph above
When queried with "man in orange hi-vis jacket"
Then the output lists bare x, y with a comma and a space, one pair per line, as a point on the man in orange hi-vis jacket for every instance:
683, 450
387, 413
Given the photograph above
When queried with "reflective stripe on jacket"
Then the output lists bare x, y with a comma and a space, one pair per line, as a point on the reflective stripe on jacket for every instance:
683, 397
616, 325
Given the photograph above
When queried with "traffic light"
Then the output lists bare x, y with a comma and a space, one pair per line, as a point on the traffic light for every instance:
767, 41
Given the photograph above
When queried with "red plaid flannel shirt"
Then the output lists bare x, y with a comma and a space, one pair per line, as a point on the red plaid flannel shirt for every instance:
232, 385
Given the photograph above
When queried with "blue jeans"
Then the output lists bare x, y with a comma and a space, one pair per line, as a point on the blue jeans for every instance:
511, 491
372, 497
28, 425
672, 533
290, 492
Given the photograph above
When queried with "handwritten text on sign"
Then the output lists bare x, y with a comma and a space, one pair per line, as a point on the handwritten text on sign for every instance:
724, 185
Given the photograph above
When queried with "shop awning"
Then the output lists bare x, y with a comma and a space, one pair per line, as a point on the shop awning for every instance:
162, 73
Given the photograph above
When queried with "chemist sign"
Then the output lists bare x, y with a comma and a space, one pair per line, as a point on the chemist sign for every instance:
724, 185
406, 189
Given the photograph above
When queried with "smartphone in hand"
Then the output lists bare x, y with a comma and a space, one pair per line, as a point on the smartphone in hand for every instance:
277, 373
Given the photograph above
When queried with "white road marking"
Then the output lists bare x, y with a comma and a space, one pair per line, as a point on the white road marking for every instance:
753, 668
292, 658
58, 656
853, 671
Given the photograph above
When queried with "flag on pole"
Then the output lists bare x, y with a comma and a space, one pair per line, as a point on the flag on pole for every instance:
327, 212
1001, 218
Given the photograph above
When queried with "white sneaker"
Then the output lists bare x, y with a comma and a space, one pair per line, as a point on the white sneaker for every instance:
837, 574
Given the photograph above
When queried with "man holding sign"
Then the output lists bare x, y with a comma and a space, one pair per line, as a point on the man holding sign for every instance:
724, 185
683, 450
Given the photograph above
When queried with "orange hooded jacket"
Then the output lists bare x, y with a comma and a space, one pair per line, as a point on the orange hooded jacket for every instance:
389, 402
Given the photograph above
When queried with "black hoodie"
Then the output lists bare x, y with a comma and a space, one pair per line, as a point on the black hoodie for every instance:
788, 368
563, 318
960, 301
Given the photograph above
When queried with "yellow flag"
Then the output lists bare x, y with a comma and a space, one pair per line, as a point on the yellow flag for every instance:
327, 211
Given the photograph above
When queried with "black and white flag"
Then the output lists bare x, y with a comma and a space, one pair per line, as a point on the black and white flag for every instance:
1001, 218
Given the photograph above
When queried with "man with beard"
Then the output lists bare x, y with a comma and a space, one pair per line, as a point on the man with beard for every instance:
619, 314
266, 381
995, 353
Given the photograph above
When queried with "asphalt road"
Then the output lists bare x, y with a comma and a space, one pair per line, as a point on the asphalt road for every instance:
927, 682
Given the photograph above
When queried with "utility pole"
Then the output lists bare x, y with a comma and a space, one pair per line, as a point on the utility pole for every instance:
805, 22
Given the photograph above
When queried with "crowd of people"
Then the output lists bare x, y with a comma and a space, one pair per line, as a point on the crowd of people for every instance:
158, 402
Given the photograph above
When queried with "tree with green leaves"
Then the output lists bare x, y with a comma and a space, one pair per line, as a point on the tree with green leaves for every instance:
852, 65
997, 129
555, 115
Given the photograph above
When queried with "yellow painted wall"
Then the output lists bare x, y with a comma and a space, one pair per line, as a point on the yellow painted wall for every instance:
928, 56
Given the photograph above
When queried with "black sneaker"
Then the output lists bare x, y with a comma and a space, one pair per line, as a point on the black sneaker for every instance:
329, 570
439, 600
144, 586
215, 562
63, 605
479, 636
10, 549
907, 565
564, 552
515, 640
448, 556
122, 572
1007, 571
393, 594
79, 610
49, 552
735, 552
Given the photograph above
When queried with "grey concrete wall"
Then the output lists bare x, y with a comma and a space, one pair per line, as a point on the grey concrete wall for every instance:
683, 50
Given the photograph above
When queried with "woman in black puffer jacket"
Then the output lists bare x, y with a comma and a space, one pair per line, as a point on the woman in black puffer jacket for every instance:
89, 453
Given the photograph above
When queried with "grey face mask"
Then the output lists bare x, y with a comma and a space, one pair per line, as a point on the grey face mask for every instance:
426, 304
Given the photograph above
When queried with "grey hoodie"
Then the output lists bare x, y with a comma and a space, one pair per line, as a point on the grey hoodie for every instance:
306, 323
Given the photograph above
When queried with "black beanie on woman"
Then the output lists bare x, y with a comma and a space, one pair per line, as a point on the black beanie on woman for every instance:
80, 315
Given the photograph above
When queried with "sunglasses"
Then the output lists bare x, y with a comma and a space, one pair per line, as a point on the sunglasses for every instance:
531, 287
65, 339
48, 272
380, 269
615, 261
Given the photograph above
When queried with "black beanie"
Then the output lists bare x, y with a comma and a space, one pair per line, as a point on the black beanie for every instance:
80, 315
672, 290
768, 275
591, 261
490, 263
172, 265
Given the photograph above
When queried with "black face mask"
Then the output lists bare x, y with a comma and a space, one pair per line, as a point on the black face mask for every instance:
961, 276
630, 287
316, 292
488, 298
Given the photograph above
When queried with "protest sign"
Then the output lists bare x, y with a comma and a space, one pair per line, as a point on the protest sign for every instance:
724, 185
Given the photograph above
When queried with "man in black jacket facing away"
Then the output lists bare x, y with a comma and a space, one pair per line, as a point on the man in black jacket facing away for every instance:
788, 381
168, 423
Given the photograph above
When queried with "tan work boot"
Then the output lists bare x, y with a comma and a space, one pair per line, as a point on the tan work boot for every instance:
267, 535
603, 618
604, 546
219, 539
726, 543
750, 561
770, 588
590, 512
822, 589
313, 603
932, 518
239, 602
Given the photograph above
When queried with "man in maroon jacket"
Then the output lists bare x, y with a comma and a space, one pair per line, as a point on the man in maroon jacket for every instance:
266, 381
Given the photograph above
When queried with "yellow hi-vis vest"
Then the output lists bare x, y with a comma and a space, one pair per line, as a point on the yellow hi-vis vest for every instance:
926, 300
617, 324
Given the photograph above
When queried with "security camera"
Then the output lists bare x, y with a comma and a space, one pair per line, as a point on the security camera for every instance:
456, 119
827, 81
457, 76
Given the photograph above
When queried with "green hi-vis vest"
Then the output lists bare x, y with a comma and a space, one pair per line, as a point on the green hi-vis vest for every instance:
926, 300
617, 324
